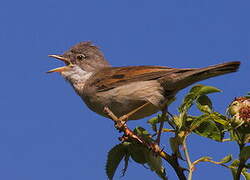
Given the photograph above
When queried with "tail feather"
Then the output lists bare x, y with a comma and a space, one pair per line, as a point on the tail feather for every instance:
185, 77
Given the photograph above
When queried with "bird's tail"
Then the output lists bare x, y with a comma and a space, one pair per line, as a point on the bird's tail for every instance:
186, 77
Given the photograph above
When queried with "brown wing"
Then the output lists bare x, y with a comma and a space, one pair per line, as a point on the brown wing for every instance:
112, 77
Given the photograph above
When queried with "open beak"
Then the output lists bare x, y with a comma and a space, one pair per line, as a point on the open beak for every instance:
63, 68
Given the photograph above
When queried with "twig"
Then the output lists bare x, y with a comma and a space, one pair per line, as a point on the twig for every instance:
226, 140
214, 162
172, 160
190, 165
239, 170
241, 164
168, 130
217, 163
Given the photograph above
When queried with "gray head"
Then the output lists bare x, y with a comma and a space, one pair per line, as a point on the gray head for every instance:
83, 55
81, 61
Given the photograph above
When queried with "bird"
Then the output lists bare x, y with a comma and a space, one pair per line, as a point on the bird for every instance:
134, 92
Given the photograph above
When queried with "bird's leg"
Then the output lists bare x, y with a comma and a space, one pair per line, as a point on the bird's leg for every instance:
162, 119
121, 125
125, 117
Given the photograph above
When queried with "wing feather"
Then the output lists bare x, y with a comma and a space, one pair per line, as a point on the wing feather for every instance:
112, 77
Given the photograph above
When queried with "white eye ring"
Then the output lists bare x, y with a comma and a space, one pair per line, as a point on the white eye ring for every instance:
81, 56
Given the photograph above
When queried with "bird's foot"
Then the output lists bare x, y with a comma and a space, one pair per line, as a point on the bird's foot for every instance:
120, 124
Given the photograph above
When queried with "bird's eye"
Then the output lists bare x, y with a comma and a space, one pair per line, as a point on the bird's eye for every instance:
81, 56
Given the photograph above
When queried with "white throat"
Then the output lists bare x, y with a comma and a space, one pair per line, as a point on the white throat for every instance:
77, 77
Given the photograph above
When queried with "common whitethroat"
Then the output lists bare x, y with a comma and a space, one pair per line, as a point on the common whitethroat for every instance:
124, 89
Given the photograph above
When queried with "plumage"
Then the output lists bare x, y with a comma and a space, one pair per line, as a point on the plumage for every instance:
124, 89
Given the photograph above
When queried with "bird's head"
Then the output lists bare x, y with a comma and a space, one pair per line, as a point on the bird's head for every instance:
82, 56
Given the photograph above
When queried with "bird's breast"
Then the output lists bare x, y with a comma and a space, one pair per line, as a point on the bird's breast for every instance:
123, 99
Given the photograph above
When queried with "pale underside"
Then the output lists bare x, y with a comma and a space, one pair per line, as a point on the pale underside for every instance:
123, 99
120, 98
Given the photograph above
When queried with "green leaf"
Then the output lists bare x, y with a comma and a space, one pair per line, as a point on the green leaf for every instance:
140, 131
197, 122
195, 92
155, 163
153, 120
177, 121
208, 125
140, 154
187, 103
156, 120
226, 159
204, 104
219, 118
245, 153
137, 153
209, 129
235, 164
207, 90
115, 155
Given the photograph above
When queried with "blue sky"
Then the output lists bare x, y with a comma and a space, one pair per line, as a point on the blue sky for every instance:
46, 132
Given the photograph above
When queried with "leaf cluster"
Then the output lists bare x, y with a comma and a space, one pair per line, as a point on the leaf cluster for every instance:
208, 124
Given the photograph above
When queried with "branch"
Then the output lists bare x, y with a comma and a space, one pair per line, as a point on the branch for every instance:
221, 164
239, 170
211, 161
241, 164
172, 160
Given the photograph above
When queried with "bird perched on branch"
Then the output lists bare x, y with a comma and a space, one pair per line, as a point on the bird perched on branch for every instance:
132, 92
